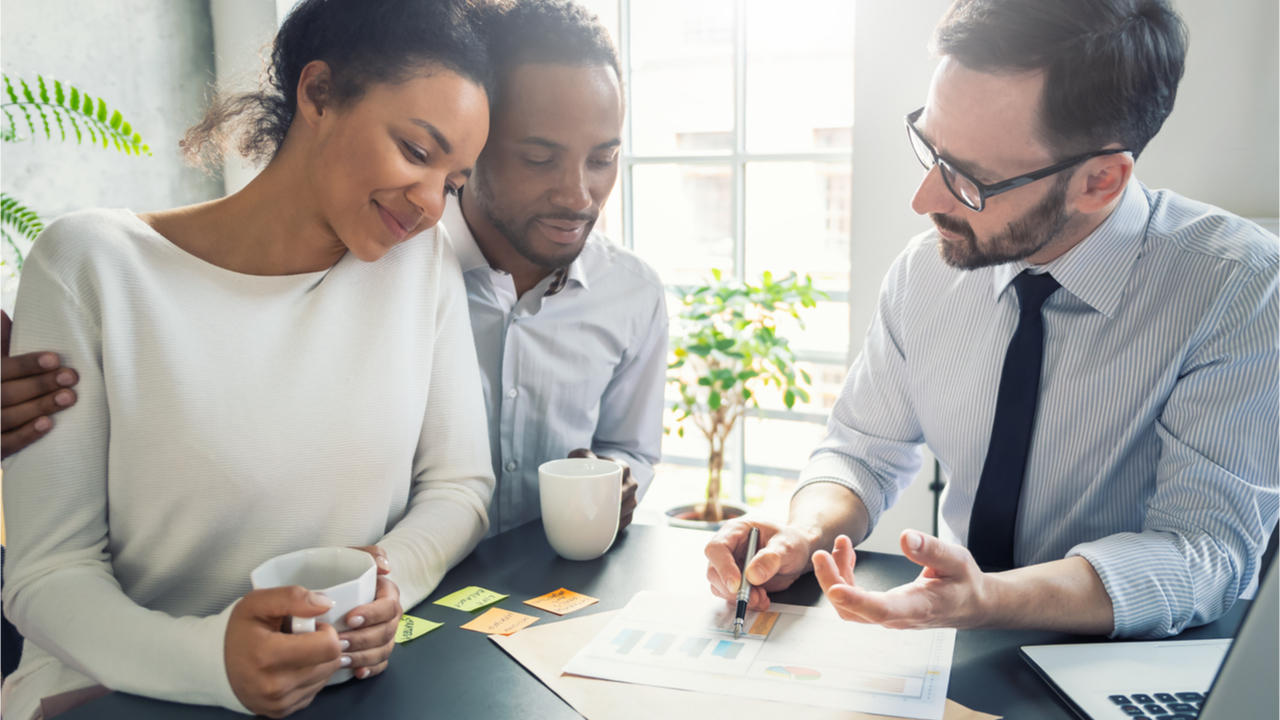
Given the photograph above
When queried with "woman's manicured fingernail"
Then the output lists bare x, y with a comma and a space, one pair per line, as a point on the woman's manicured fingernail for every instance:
345, 644
915, 540
363, 673
383, 563
320, 599
356, 621
346, 661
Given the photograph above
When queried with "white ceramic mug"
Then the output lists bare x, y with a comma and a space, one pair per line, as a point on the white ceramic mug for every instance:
347, 576
581, 498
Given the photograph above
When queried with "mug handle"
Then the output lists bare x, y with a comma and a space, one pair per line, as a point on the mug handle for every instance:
300, 625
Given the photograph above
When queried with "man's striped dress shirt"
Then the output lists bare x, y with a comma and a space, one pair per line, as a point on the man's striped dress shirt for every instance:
1155, 450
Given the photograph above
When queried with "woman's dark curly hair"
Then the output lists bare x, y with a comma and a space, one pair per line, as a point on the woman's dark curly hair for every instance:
364, 42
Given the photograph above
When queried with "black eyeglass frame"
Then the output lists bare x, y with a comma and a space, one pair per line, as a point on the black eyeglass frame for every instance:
1004, 186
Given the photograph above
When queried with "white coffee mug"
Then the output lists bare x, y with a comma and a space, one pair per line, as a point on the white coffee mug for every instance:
581, 498
347, 576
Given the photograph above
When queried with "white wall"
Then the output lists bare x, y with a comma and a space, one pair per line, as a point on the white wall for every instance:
150, 59
1220, 145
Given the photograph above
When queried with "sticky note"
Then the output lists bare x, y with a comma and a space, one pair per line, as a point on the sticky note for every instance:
500, 622
470, 598
561, 602
763, 624
412, 627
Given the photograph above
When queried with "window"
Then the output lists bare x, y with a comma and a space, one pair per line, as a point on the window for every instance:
737, 155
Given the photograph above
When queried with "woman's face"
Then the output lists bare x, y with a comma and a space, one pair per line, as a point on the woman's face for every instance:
383, 165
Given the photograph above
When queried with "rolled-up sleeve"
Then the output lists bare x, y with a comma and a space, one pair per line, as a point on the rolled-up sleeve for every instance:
1216, 481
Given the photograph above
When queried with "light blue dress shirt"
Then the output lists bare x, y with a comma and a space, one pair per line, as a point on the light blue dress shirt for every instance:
583, 368
1155, 450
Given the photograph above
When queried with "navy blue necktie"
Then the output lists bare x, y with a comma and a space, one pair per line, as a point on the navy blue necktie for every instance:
995, 507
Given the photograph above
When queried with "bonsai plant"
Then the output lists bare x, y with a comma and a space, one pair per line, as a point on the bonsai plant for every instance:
727, 351
53, 109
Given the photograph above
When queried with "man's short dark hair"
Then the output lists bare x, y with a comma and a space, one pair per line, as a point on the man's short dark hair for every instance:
1111, 66
559, 32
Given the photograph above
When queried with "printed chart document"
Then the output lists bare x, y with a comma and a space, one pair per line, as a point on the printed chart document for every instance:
807, 656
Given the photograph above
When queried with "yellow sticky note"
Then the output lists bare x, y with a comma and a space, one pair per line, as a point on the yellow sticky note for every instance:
470, 598
412, 627
562, 602
500, 622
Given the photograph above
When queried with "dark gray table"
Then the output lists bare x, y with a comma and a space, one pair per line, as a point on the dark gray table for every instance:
457, 673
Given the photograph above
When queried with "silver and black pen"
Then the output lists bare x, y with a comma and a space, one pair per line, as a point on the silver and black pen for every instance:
744, 589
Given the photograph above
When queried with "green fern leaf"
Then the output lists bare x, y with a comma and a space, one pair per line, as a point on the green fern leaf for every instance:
44, 118
47, 96
10, 131
57, 115
76, 125
23, 221
17, 252
27, 115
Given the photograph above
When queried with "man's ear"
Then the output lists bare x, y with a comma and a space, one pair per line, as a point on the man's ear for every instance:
315, 91
1105, 179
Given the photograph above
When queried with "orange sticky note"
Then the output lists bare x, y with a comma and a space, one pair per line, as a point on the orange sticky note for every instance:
561, 602
500, 622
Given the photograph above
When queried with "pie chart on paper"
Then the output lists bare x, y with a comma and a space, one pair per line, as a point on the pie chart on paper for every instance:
791, 672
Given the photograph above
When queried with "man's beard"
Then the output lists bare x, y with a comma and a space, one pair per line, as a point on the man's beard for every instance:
518, 233
1023, 238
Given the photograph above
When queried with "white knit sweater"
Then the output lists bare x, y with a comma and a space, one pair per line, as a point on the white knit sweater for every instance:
224, 419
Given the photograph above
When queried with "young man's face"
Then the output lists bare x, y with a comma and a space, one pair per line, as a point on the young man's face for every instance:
551, 159
985, 124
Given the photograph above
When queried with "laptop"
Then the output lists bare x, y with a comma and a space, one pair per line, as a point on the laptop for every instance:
1171, 679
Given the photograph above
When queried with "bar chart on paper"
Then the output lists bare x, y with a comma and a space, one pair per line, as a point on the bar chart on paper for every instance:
791, 654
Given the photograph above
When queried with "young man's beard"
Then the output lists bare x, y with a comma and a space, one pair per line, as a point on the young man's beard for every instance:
517, 232
1024, 237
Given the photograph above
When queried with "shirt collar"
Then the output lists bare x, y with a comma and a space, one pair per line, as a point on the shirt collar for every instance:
464, 242
471, 258
1097, 269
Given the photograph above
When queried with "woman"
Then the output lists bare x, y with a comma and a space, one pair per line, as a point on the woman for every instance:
287, 367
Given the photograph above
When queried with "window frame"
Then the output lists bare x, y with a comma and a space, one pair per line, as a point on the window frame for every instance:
737, 160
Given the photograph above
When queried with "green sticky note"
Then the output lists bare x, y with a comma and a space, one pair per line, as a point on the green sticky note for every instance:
470, 598
412, 627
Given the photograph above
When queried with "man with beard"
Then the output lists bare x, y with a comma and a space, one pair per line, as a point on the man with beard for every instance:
1093, 363
570, 329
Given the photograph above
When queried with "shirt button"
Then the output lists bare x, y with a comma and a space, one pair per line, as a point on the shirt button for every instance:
511, 466
512, 392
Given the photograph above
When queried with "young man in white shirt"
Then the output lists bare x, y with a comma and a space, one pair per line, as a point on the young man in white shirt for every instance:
570, 328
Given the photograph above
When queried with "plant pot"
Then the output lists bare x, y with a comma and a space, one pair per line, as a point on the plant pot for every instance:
690, 520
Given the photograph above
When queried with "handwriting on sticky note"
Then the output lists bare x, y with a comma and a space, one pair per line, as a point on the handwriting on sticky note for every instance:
412, 627
500, 622
470, 598
561, 602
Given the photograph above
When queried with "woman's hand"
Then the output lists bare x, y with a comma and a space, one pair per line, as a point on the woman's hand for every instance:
273, 673
373, 627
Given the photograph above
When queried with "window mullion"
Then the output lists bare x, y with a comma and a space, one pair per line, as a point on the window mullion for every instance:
624, 52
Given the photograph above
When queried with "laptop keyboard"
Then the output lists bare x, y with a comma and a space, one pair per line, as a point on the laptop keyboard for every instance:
1160, 706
